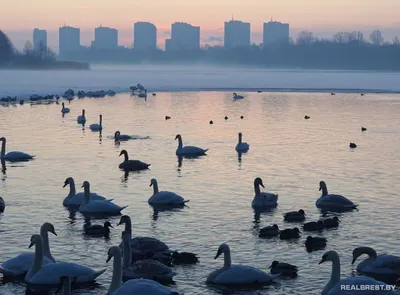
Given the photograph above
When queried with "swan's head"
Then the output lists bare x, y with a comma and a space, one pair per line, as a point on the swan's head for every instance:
116, 134
320, 222
153, 181
123, 152
275, 226
107, 224
309, 238
296, 230
35, 239
125, 219
274, 264
258, 181
240, 134
62, 104
234, 94
86, 184
336, 218
223, 248
301, 211
357, 252
322, 185
2, 138
101, 117
49, 227
329, 256
178, 136
83, 112
113, 251
67, 181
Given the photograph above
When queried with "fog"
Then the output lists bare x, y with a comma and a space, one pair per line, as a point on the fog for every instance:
23, 83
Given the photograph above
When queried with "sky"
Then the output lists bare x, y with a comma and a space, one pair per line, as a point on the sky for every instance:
19, 17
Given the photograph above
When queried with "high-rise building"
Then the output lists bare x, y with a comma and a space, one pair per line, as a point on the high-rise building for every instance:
69, 40
39, 40
236, 34
144, 36
183, 37
105, 38
275, 33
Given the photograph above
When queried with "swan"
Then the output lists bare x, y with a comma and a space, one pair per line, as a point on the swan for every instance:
98, 230
241, 147
99, 206
76, 199
188, 151
50, 274
146, 269
236, 96
120, 137
333, 202
97, 127
136, 286
13, 156
132, 165
335, 284
81, 119
164, 198
21, 264
384, 265
64, 110
2, 205
237, 274
263, 199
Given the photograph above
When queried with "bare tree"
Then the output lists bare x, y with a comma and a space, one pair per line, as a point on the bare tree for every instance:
28, 49
305, 37
376, 38
396, 41
347, 37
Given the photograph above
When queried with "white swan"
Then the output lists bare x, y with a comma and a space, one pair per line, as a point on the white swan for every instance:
380, 265
335, 285
21, 264
76, 199
237, 274
188, 151
263, 199
146, 269
50, 274
164, 198
98, 207
236, 96
64, 110
81, 119
136, 286
241, 147
97, 127
13, 156
333, 202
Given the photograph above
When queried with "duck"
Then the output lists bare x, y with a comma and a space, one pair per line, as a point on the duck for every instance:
295, 216
363, 129
98, 230
184, 258
384, 266
146, 269
50, 274
121, 137
226, 118
188, 151
331, 222
314, 226
102, 207
241, 117
21, 264
81, 119
306, 117
97, 127
236, 96
336, 286
64, 110
167, 118
285, 269
315, 243
352, 145
332, 202
76, 199
2, 205
241, 147
269, 231
211, 122
289, 233
164, 198
132, 165
13, 156
231, 274
263, 199
134, 286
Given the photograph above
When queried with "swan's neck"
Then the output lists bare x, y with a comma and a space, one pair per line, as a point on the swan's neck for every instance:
227, 259
116, 280
101, 121
126, 157
87, 196
324, 190
126, 241
335, 276
72, 190
128, 227
3, 147
180, 143
257, 189
240, 140
369, 251
46, 245
37, 262
155, 188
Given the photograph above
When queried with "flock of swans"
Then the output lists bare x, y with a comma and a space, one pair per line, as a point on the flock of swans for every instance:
142, 265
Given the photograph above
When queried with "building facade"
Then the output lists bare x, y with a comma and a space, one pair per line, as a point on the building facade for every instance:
39, 40
69, 40
144, 36
236, 34
105, 38
275, 33
183, 37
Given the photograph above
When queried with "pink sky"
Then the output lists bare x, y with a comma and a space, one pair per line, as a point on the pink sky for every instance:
19, 17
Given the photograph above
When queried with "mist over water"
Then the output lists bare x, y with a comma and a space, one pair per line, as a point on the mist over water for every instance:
164, 78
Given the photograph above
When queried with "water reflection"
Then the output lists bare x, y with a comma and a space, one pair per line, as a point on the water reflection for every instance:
3, 167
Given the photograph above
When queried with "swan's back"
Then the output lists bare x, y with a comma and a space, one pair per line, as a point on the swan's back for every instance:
384, 264
332, 200
150, 268
18, 156
142, 287
80, 197
265, 200
359, 281
165, 197
242, 274
191, 150
134, 165
20, 264
102, 206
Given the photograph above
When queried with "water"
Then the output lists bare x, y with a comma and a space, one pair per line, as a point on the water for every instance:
291, 155
193, 78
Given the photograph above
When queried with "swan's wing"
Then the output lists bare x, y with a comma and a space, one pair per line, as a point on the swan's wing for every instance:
357, 282
142, 287
269, 198
336, 200
20, 264
101, 207
80, 197
151, 267
193, 150
14, 155
241, 274
148, 244
388, 261
165, 197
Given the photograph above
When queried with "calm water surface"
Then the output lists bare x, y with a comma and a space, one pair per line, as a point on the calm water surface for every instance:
291, 155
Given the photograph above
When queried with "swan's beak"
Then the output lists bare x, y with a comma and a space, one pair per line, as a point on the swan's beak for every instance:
54, 232
65, 184
119, 223
320, 188
354, 259
322, 260
218, 254
176, 137
30, 246
150, 184
111, 226
108, 258
262, 185
82, 186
